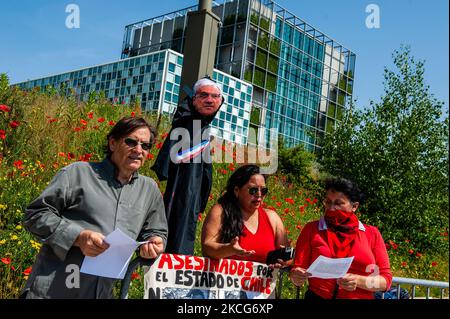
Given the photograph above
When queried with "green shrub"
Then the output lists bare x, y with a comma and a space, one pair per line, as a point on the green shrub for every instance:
397, 152
261, 59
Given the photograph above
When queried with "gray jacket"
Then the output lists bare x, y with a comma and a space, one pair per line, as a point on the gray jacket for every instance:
87, 196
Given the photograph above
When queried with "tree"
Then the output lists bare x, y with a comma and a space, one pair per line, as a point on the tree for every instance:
299, 166
397, 152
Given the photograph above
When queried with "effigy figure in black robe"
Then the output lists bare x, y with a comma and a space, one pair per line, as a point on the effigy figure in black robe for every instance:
185, 162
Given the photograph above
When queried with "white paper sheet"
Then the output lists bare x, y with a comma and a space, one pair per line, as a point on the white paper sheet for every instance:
112, 263
330, 268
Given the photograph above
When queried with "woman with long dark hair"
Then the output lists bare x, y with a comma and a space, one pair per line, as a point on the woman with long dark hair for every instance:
238, 226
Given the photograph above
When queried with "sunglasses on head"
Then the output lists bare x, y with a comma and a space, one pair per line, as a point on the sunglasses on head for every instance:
131, 142
254, 190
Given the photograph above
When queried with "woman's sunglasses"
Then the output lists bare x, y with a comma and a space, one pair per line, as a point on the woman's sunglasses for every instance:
254, 190
131, 142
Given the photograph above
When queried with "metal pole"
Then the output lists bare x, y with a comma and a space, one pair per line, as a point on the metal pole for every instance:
205, 5
200, 46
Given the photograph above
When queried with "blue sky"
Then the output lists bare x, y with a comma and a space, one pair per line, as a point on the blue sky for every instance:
36, 42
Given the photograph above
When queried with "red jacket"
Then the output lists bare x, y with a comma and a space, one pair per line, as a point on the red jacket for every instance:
368, 250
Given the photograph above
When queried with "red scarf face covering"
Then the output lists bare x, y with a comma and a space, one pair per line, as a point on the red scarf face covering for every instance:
342, 228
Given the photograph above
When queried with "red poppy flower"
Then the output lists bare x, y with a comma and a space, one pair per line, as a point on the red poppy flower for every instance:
200, 217
433, 264
77, 129
394, 245
70, 156
6, 261
85, 157
101, 120
135, 276
159, 145
164, 136
90, 115
14, 124
4, 108
83, 122
290, 201
18, 165
2, 134
133, 114
278, 204
27, 271
418, 254
411, 251
111, 123
404, 264
52, 121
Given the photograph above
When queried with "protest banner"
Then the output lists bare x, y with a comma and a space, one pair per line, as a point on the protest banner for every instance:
193, 277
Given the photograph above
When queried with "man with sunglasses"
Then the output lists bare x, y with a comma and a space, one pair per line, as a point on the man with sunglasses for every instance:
87, 201
189, 173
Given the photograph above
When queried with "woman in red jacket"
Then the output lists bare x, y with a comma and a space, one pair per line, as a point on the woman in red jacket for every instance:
339, 234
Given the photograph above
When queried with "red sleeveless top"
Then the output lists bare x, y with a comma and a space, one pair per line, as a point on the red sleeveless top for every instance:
261, 242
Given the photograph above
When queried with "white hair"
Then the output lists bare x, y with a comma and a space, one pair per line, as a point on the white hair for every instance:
206, 82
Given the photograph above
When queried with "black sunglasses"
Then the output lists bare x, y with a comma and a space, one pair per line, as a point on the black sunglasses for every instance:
131, 142
254, 190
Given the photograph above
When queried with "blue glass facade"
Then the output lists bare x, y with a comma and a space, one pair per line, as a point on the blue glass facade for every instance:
302, 79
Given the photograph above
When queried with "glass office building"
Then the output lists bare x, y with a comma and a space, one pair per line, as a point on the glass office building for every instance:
154, 79
279, 71
302, 78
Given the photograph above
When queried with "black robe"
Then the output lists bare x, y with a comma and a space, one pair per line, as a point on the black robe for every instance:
188, 183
